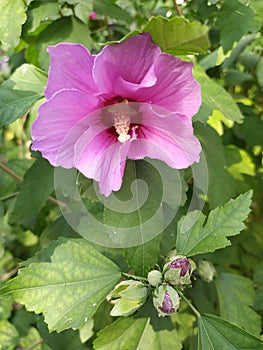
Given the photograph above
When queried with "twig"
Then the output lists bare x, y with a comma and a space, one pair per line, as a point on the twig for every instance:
19, 179
177, 8
11, 173
9, 274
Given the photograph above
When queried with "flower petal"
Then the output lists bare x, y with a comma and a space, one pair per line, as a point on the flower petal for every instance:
168, 138
58, 117
128, 61
99, 156
70, 68
175, 88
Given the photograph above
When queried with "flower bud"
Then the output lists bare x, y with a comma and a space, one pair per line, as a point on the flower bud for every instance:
130, 296
166, 300
155, 278
206, 270
92, 15
178, 270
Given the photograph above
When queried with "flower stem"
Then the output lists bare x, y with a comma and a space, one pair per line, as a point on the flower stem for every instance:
195, 311
137, 278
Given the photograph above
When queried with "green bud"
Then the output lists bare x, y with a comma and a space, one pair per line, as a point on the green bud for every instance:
130, 296
166, 300
155, 278
178, 270
206, 270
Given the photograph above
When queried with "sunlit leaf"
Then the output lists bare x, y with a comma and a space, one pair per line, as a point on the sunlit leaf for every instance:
8, 335
139, 333
12, 16
215, 96
201, 234
73, 284
178, 36
40, 13
18, 93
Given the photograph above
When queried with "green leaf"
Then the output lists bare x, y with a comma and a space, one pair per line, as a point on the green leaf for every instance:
145, 205
12, 16
239, 162
236, 296
216, 97
258, 278
177, 36
251, 130
259, 73
40, 13
8, 336
108, 8
221, 185
142, 258
66, 340
243, 21
208, 234
56, 229
236, 77
216, 333
83, 10
139, 333
38, 184
236, 53
67, 29
185, 323
9, 185
17, 94
213, 59
73, 285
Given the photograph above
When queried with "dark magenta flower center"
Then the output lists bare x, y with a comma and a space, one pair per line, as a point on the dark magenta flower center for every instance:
181, 263
123, 116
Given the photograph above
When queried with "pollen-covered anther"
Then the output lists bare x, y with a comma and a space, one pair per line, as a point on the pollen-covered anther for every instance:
122, 126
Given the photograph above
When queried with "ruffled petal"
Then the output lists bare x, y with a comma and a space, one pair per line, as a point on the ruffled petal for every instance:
70, 68
99, 156
130, 61
175, 89
58, 125
168, 138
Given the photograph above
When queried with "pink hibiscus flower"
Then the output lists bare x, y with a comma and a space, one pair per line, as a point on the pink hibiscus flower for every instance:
129, 101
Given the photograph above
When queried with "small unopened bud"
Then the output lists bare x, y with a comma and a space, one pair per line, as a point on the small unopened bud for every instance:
129, 295
92, 15
166, 300
155, 278
206, 270
178, 270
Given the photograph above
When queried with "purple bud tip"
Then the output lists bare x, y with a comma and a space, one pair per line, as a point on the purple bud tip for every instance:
92, 15
167, 305
181, 263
